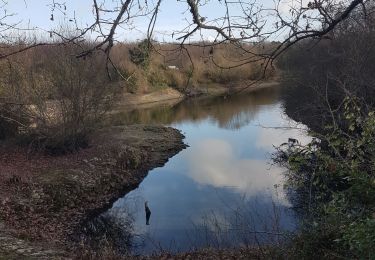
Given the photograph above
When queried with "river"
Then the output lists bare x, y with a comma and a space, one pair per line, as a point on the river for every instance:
222, 191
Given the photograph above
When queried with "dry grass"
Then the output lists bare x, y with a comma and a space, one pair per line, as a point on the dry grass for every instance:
199, 65
56, 99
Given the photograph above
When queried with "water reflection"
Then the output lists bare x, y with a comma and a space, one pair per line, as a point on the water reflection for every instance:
114, 232
148, 213
222, 190
213, 162
229, 113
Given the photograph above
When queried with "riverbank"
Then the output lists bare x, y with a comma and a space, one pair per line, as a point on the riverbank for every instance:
172, 96
45, 199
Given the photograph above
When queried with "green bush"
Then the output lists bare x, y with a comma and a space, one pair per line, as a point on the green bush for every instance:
141, 54
334, 177
360, 238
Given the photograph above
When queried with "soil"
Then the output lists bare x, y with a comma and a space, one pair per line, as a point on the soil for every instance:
44, 199
164, 95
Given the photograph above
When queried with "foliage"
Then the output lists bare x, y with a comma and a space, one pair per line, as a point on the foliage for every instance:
320, 73
330, 88
156, 79
141, 54
198, 66
334, 176
51, 100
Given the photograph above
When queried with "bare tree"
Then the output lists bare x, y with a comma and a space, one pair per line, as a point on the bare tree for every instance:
287, 22
247, 25
242, 23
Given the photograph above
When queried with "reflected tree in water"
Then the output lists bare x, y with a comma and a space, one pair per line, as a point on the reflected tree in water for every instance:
148, 213
108, 233
233, 112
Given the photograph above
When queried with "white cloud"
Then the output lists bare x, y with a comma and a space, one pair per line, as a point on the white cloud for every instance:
213, 162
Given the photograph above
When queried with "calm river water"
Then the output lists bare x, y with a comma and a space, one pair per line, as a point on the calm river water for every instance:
221, 191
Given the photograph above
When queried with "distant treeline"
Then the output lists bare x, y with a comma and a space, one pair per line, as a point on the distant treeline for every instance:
319, 73
51, 99
184, 67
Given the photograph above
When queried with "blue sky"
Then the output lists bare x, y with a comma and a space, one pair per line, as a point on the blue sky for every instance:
173, 16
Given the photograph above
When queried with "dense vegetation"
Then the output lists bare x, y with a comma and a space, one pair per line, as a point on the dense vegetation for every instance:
331, 87
51, 100
195, 66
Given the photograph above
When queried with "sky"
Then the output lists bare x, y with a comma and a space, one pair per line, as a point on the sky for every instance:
173, 16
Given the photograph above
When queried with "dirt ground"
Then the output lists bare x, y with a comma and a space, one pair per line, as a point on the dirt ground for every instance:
43, 199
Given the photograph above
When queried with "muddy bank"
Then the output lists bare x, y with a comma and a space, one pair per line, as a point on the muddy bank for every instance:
239, 87
166, 95
172, 96
45, 199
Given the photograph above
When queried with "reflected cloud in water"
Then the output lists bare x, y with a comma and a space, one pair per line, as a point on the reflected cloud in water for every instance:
213, 162
277, 129
232, 113
224, 174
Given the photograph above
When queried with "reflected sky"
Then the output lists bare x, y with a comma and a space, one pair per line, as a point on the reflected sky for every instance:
223, 184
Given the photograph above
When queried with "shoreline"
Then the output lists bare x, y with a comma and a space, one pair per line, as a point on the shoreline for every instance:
56, 199
172, 96
52, 205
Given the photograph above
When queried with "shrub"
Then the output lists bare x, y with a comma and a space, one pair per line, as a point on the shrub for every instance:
141, 54
61, 97
335, 182
156, 79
